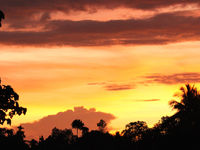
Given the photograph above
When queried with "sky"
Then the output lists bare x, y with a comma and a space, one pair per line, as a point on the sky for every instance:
124, 60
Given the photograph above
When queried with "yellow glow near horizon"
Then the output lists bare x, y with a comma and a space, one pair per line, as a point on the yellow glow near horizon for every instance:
50, 80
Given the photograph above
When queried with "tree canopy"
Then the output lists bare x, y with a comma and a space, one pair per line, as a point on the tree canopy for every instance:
9, 105
135, 130
77, 124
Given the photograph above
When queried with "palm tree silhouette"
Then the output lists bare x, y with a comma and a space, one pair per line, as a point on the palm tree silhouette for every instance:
189, 98
77, 124
188, 109
2, 16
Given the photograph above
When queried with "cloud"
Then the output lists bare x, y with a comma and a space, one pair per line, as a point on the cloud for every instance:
30, 23
86, 5
118, 87
177, 78
111, 86
160, 29
148, 100
28, 14
62, 120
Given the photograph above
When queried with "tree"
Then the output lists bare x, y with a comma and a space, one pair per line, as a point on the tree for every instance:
20, 133
167, 125
60, 135
16, 140
190, 99
135, 130
9, 105
77, 124
102, 125
33, 144
2, 16
85, 130
188, 109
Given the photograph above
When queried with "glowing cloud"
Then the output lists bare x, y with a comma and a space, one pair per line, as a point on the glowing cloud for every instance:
62, 120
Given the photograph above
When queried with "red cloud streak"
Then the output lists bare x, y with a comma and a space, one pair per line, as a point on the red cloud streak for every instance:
177, 78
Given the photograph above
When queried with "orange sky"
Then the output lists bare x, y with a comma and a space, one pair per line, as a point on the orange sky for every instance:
124, 60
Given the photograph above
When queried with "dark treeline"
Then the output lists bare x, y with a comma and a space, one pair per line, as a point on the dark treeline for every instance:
179, 131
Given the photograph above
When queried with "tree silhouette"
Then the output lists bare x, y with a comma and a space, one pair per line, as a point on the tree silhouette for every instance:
188, 109
85, 130
13, 140
101, 125
33, 144
135, 130
167, 125
9, 105
20, 133
65, 135
2, 16
77, 124
182, 129
189, 99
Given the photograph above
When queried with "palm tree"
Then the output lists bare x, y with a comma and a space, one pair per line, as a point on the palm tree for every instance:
188, 109
189, 98
77, 124
2, 16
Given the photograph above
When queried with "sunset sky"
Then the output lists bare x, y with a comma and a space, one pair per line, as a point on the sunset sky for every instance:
125, 58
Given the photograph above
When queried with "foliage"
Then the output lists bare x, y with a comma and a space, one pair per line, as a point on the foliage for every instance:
13, 140
77, 124
101, 125
188, 109
9, 105
85, 130
135, 130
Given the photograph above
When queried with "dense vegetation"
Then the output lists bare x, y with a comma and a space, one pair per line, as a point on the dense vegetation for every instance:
179, 131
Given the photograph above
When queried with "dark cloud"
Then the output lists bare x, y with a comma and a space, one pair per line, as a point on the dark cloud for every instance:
62, 120
178, 78
25, 13
86, 5
160, 29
